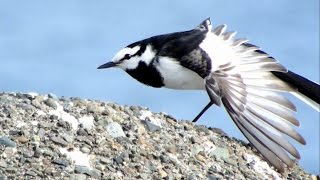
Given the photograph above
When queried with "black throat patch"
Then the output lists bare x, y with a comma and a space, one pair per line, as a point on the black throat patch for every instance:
147, 75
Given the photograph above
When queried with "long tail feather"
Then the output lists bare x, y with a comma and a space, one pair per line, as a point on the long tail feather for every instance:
307, 91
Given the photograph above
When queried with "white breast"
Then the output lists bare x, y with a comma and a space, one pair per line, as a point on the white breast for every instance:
178, 77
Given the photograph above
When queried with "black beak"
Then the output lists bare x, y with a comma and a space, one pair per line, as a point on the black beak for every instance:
107, 65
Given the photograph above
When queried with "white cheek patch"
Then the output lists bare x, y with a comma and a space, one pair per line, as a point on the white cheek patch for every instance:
125, 51
132, 63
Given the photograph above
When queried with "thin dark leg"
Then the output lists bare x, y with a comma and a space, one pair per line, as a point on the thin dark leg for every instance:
203, 111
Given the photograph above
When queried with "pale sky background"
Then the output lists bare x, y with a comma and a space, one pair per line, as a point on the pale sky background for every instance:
56, 46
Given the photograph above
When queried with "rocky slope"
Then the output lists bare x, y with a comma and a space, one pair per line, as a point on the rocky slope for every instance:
43, 136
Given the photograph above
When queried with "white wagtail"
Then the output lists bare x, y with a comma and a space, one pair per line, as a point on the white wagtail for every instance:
246, 80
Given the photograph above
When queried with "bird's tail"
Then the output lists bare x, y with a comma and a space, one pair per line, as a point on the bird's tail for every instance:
307, 91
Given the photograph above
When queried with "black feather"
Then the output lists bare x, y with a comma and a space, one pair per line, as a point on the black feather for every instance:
304, 86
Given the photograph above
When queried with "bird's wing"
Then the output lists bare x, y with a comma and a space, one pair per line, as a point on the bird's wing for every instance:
242, 77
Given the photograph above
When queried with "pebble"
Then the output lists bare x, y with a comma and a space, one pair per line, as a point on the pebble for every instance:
82, 170
115, 130
22, 139
31, 173
25, 106
36, 103
221, 153
3, 164
61, 161
78, 177
59, 141
163, 173
51, 103
85, 149
5, 141
150, 126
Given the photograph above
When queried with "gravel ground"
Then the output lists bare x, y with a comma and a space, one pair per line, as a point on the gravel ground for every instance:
48, 137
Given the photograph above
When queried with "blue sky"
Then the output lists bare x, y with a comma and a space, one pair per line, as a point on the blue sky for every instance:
56, 46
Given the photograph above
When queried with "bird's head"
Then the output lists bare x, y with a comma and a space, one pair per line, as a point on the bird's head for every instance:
131, 56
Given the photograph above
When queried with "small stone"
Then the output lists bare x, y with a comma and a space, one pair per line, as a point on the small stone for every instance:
15, 132
51, 103
91, 108
104, 160
31, 173
164, 159
61, 161
118, 160
78, 177
48, 153
150, 126
3, 164
41, 133
82, 170
85, 149
28, 153
37, 152
200, 158
213, 177
194, 140
62, 123
115, 130
25, 106
5, 141
230, 161
36, 138
82, 132
22, 139
36, 103
67, 138
2, 177
59, 141
53, 96
95, 173
221, 153
162, 173
11, 170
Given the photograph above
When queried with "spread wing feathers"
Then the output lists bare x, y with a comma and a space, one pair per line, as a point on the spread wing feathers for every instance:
251, 96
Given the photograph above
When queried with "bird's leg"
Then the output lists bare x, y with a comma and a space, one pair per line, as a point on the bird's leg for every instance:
203, 111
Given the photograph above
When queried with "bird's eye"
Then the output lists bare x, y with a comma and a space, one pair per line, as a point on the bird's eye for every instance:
127, 56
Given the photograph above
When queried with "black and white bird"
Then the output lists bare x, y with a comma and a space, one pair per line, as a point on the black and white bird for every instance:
236, 74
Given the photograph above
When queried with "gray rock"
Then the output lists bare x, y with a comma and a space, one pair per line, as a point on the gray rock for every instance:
118, 159
78, 177
11, 170
150, 126
5, 141
31, 173
53, 96
41, 133
68, 138
3, 164
95, 173
230, 161
2, 177
51, 103
82, 170
59, 141
115, 130
85, 149
61, 161
221, 153
28, 153
36, 103
25, 106
104, 160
